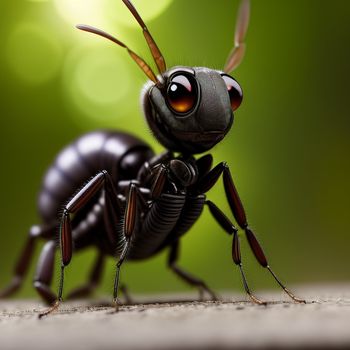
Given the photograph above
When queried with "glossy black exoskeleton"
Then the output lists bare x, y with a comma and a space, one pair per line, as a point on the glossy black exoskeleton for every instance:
132, 203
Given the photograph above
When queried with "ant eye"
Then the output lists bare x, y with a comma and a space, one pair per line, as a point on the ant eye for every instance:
234, 90
182, 93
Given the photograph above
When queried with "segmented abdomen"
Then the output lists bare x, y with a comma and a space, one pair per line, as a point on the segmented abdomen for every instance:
84, 158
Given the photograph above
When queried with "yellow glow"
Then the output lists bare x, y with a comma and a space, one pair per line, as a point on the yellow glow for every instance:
33, 55
81, 11
117, 12
101, 12
96, 81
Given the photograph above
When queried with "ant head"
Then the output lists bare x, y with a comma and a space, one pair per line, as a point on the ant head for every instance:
193, 108
189, 110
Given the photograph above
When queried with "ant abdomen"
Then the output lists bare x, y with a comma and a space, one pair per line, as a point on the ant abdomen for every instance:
120, 154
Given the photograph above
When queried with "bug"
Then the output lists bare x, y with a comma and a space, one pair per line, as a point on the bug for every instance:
112, 192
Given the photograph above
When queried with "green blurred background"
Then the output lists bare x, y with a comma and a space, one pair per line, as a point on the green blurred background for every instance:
288, 150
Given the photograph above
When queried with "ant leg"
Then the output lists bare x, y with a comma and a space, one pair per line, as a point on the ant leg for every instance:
240, 216
146, 169
117, 275
207, 181
112, 209
23, 263
159, 181
130, 220
93, 281
204, 165
44, 272
81, 198
260, 256
225, 223
185, 276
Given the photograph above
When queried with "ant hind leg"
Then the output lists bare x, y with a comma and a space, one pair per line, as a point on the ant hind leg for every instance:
22, 266
185, 276
44, 272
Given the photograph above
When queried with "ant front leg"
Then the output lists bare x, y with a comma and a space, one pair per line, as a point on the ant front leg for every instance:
204, 185
240, 216
226, 224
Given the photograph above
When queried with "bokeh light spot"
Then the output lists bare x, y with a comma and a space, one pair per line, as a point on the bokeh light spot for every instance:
81, 11
148, 10
96, 81
33, 54
97, 12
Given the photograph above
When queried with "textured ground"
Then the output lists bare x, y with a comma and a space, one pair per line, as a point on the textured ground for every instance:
323, 323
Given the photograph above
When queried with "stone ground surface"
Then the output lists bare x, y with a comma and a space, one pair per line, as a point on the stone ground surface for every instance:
324, 322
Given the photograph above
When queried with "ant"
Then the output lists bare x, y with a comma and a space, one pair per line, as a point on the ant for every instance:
132, 203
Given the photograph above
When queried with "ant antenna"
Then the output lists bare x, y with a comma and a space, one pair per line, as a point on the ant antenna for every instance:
237, 53
140, 62
157, 55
